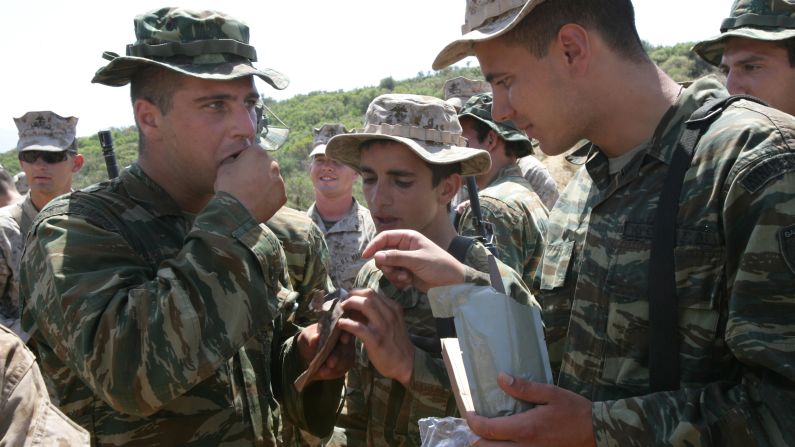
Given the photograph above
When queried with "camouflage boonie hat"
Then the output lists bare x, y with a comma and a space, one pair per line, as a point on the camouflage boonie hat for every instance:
46, 131
770, 20
484, 20
427, 125
323, 135
458, 90
479, 108
202, 44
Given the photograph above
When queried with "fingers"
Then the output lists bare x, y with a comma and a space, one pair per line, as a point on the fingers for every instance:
526, 390
501, 428
393, 239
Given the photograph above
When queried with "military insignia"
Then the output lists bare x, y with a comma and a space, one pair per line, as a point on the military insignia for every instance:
786, 240
40, 123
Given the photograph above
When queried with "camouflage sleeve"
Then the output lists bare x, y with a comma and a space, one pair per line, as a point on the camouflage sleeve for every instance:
100, 305
27, 414
316, 274
759, 211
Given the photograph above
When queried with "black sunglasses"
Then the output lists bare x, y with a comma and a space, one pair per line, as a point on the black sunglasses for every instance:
48, 157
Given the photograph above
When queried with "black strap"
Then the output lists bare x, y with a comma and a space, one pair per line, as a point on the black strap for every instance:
663, 307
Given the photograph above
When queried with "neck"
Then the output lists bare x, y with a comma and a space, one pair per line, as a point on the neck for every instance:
497, 164
40, 199
441, 231
186, 197
626, 120
333, 208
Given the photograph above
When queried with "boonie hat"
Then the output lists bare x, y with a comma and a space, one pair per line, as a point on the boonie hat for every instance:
46, 131
770, 20
479, 108
427, 125
323, 135
458, 90
484, 20
202, 44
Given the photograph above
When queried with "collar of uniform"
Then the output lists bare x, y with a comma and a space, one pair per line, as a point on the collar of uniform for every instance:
666, 135
506, 173
350, 222
145, 191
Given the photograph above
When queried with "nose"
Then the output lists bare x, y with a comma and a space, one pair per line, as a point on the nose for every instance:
501, 109
244, 122
376, 195
735, 84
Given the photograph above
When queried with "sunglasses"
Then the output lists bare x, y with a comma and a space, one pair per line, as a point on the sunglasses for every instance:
48, 157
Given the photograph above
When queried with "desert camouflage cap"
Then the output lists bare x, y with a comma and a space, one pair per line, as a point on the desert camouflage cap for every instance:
771, 20
427, 125
458, 90
323, 135
479, 108
46, 131
484, 20
203, 44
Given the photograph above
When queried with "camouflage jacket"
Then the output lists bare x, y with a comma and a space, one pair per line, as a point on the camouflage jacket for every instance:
540, 180
735, 273
390, 410
519, 220
15, 222
346, 240
162, 328
307, 259
27, 417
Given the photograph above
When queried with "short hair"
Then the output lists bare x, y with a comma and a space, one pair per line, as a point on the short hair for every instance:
614, 20
789, 45
156, 85
512, 148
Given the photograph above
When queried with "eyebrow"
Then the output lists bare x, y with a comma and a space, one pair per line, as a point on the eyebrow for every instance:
390, 172
224, 97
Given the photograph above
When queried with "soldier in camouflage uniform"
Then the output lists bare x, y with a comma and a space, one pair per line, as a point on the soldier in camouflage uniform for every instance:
27, 417
756, 51
555, 67
411, 157
47, 148
507, 200
154, 298
348, 226
8, 189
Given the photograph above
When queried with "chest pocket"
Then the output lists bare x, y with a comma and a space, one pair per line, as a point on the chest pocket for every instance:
700, 285
555, 265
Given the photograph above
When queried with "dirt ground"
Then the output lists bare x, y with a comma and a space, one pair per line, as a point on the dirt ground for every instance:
560, 169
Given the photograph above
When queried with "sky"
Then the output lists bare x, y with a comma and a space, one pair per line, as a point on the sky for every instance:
51, 48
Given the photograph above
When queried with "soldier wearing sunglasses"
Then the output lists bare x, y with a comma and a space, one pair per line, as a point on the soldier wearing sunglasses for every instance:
48, 155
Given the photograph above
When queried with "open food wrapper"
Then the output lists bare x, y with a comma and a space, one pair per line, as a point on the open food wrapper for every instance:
328, 312
495, 334
446, 432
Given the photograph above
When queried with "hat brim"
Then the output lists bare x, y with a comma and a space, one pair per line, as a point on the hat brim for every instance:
121, 69
45, 148
507, 133
345, 149
320, 149
464, 46
711, 50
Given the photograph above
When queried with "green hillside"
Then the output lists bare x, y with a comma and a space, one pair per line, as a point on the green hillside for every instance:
303, 112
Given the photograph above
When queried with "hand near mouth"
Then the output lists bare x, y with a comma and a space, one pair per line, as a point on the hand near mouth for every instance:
253, 177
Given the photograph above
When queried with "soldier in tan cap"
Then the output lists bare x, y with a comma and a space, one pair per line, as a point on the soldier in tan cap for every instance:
756, 51
411, 156
346, 224
48, 156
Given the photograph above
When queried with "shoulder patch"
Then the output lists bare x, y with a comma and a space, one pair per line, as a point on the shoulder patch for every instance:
786, 240
767, 170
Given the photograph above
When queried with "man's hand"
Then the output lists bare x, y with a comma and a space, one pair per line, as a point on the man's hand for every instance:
254, 179
408, 258
378, 323
560, 418
338, 362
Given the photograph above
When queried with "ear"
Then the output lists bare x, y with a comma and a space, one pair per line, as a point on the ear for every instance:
448, 188
491, 141
77, 162
147, 116
574, 45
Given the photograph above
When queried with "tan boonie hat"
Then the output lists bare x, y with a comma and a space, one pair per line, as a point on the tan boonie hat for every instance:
484, 20
770, 20
458, 90
46, 131
427, 125
322, 135
202, 44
